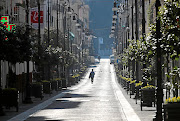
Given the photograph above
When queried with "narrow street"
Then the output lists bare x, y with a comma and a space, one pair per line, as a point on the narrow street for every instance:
49, 48
104, 100
100, 101
91, 102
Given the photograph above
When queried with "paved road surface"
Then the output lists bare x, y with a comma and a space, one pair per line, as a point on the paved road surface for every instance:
100, 101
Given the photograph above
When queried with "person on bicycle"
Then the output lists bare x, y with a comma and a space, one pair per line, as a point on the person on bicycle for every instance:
91, 75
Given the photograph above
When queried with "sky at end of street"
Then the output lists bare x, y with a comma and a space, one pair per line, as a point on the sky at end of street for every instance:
100, 17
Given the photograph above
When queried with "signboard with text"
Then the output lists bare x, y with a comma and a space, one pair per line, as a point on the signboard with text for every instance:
34, 17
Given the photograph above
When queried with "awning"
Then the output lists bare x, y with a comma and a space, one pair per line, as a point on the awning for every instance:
71, 34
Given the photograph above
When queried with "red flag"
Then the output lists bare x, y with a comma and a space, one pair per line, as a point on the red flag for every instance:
34, 17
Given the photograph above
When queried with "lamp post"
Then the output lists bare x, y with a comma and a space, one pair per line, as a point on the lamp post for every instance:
137, 34
132, 38
143, 32
57, 41
114, 9
57, 24
65, 12
82, 51
69, 12
127, 28
39, 37
28, 88
57, 37
74, 19
159, 92
143, 20
64, 45
1, 108
48, 75
39, 30
79, 29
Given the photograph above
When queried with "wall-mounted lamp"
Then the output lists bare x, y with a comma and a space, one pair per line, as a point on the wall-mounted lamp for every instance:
77, 24
79, 28
69, 11
115, 7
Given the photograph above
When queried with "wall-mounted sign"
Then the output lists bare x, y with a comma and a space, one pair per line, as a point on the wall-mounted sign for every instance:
5, 22
34, 17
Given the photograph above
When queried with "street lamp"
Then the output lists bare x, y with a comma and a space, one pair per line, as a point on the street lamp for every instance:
74, 16
28, 89
1, 108
112, 31
79, 28
114, 20
82, 51
113, 27
115, 15
69, 10
76, 19
115, 7
159, 92
77, 24
64, 17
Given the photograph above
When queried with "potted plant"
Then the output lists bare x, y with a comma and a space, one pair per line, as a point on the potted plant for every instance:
59, 84
123, 81
128, 80
10, 98
46, 87
73, 79
147, 96
137, 88
54, 85
64, 83
59, 81
172, 109
81, 73
37, 90
132, 87
77, 76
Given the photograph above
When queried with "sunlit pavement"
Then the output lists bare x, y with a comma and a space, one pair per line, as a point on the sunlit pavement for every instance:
101, 101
